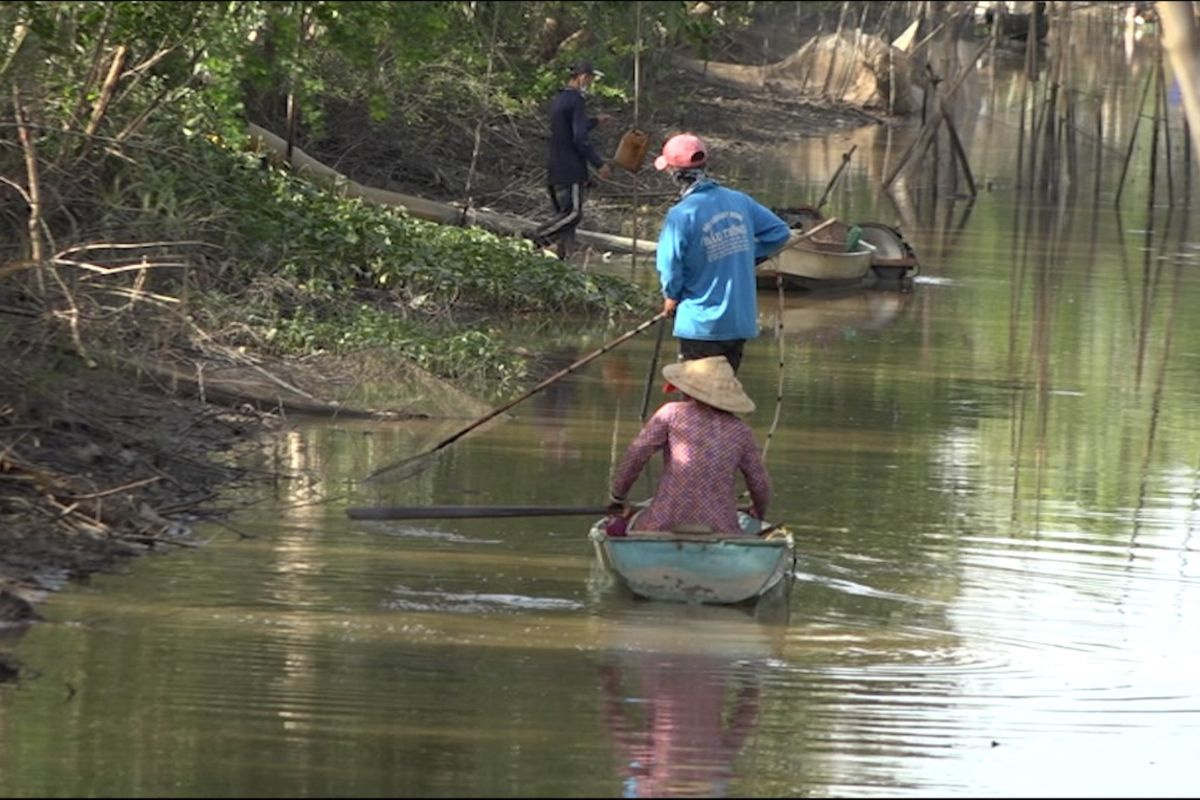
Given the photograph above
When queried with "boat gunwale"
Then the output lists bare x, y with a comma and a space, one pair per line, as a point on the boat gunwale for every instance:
780, 541
749, 540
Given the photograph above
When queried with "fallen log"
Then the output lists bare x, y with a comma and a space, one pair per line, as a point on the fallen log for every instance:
431, 210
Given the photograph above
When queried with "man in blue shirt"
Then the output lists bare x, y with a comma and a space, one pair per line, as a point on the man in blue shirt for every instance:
711, 242
571, 152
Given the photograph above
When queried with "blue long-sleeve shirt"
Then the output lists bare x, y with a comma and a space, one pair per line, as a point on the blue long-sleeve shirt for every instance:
706, 253
571, 148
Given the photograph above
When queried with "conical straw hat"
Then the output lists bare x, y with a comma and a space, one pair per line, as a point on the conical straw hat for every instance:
710, 380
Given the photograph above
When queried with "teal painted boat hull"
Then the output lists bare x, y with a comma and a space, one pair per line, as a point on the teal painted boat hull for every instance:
696, 568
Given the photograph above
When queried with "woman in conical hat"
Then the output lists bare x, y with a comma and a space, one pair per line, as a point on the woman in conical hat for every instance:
704, 444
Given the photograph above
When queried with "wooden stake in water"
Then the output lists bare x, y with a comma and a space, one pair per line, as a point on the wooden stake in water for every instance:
1132, 138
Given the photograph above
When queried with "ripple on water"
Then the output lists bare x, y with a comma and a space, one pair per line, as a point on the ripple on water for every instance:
418, 532
406, 599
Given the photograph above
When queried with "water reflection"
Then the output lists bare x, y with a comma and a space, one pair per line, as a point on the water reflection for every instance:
823, 315
681, 691
552, 407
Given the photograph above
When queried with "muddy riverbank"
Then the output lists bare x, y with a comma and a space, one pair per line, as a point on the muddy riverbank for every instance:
101, 462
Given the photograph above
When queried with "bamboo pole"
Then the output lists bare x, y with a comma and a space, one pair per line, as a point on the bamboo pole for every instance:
1187, 165
1021, 130
936, 141
1050, 128
930, 127
1132, 138
1072, 144
1166, 126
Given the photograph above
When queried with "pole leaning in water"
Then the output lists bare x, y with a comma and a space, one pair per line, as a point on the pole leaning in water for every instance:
498, 411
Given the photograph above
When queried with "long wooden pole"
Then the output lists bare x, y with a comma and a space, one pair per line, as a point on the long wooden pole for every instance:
449, 440
956, 143
650, 373
837, 174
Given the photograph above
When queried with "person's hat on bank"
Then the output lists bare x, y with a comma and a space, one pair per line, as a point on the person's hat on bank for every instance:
711, 381
584, 67
685, 151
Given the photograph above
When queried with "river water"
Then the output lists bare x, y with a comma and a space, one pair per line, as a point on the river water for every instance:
992, 479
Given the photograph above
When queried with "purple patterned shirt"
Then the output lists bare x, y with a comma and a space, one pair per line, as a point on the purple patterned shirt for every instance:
703, 448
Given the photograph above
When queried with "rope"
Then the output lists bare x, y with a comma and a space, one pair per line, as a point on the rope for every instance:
779, 387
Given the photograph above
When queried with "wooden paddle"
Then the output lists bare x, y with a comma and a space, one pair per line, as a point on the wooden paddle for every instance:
413, 460
466, 512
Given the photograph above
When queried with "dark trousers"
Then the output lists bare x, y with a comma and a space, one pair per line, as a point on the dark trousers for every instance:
567, 201
698, 348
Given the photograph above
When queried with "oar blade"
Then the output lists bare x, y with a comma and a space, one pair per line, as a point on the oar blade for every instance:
470, 512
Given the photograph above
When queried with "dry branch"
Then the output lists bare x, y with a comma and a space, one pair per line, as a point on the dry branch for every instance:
34, 195
107, 89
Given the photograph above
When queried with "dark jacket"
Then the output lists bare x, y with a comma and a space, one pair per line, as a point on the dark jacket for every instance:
571, 149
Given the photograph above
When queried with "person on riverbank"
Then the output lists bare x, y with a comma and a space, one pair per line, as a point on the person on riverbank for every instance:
571, 152
712, 240
704, 444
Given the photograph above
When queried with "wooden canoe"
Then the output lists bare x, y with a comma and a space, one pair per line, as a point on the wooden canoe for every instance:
890, 261
814, 268
698, 568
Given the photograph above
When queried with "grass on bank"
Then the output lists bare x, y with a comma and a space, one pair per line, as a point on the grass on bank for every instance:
281, 266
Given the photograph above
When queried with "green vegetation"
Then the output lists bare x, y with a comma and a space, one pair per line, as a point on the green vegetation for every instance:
315, 271
127, 174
